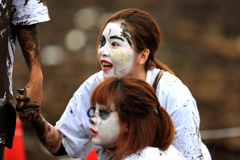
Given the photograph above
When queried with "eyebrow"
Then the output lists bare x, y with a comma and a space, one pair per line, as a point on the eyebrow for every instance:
116, 37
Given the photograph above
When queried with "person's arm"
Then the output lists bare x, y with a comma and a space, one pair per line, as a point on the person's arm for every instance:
29, 42
49, 136
73, 126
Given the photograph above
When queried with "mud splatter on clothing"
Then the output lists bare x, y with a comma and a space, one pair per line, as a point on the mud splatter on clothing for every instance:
154, 153
173, 95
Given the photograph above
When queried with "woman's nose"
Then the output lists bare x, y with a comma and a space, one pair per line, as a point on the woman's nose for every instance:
91, 120
104, 52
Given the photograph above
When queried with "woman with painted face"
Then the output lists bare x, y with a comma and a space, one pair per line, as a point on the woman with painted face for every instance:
128, 121
126, 45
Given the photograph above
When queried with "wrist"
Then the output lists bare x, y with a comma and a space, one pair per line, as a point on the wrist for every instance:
37, 121
36, 75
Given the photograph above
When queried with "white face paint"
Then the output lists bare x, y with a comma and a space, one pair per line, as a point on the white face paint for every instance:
115, 52
105, 126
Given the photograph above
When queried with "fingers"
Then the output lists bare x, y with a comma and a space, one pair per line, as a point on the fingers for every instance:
26, 106
21, 101
21, 98
21, 91
33, 92
29, 112
29, 116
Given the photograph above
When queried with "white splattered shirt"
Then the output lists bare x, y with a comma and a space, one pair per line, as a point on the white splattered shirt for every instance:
15, 12
151, 153
173, 95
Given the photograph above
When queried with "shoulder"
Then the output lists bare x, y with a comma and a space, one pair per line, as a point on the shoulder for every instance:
166, 78
154, 153
172, 93
29, 12
151, 75
171, 80
145, 154
167, 83
171, 153
171, 86
89, 84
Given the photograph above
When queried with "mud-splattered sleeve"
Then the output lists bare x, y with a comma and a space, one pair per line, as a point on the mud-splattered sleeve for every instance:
28, 12
176, 98
74, 124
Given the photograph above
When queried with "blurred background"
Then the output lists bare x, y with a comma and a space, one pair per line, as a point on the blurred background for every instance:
201, 43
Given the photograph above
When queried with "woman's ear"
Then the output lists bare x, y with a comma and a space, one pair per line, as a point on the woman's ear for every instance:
143, 56
124, 128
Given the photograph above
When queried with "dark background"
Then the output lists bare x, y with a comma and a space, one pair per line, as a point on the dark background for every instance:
201, 43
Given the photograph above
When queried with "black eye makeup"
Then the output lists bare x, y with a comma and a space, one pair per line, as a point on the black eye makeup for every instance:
91, 111
117, 37
102, 41
103, 113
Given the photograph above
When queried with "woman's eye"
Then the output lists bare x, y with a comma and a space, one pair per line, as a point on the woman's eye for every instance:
102, 112
115, 44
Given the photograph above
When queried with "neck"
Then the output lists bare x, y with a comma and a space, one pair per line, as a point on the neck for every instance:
112, 151
140, 73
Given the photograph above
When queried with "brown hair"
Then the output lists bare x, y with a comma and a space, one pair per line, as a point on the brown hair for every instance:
144, 32
138, 107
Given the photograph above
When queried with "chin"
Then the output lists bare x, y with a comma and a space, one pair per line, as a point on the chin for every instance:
105, 75
103, 144
95, 141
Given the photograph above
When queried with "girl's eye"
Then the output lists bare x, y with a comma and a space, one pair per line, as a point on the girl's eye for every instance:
115, 44
103, 112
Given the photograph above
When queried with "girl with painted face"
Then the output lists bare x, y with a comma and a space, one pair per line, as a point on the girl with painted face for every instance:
126, 45
129, 123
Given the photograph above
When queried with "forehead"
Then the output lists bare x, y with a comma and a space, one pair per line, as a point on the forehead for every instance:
112, 29
107, 107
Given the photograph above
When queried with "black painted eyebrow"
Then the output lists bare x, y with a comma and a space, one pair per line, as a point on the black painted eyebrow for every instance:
116, 37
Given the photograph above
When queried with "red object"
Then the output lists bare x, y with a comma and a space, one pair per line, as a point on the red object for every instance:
18, 151
92, 155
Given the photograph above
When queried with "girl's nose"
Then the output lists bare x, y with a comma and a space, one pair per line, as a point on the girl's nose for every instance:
91, 120
104, 52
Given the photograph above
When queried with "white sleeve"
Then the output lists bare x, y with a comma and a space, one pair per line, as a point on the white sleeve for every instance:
75, 137
32, 12
74, 123
176, 98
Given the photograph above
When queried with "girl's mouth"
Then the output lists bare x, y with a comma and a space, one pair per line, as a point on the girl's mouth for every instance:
94, 133
106, 65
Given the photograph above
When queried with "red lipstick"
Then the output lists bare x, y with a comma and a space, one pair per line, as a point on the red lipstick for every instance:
94, 133
106, 65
